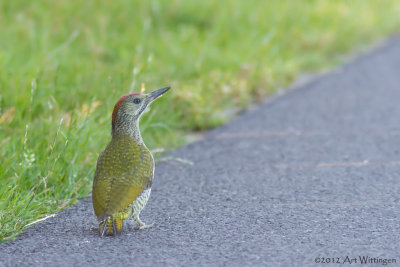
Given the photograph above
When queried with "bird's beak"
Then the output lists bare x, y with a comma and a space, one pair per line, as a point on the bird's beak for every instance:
157, 93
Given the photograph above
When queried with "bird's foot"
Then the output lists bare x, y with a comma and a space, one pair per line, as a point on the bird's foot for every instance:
141, 225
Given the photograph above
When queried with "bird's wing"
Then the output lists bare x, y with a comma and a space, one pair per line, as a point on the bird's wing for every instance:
124, 170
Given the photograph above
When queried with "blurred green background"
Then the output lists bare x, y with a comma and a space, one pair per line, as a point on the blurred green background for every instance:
63, 64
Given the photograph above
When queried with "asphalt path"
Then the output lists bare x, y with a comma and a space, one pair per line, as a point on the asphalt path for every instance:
311, 175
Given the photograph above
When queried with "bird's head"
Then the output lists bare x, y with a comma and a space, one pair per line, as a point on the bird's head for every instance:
131, 107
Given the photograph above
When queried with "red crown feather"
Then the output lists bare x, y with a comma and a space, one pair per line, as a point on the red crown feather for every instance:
118, 104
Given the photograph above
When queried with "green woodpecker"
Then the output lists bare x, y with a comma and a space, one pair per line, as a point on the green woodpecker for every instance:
125, 169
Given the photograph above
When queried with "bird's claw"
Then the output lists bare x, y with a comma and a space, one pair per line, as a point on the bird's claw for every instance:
143, 226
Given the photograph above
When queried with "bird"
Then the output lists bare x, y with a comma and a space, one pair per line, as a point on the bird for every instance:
125, 169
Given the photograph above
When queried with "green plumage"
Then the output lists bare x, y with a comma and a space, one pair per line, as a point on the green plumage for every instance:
124, 171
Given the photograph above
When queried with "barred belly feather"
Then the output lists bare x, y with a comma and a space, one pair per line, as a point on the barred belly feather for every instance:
138, 205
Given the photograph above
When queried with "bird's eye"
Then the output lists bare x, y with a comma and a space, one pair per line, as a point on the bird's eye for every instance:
136, 100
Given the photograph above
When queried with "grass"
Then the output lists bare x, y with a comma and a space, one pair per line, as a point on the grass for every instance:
64, 64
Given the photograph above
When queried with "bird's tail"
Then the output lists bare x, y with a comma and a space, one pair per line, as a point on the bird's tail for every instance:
111, 226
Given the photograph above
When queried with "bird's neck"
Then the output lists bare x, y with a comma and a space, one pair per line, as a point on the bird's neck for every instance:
128, 127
